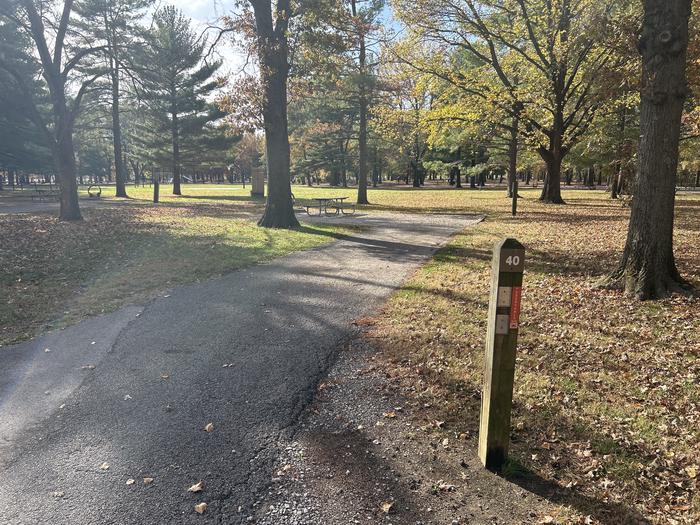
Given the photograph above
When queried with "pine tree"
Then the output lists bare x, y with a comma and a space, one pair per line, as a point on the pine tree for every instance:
114, 23
23, 146
176, 79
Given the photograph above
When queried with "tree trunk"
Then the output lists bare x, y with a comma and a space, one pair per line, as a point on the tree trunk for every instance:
615, 179
119, 166
65, 167
343, 167
156, 187
512, 156
647, 269
362, 138
416, 174
176, 151
274, 66
375, 168
551, 189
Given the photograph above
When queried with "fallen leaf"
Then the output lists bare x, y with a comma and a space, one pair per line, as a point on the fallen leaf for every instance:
127, 397
165, 376
199, 508
58, 494
197, 487
209, 427
104, 466
284, 469
386, 506
547, 519
147, 481
692, 471
130, 481
447, 487
389, 415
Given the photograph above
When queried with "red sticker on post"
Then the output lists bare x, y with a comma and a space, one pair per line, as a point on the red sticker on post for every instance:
515, 307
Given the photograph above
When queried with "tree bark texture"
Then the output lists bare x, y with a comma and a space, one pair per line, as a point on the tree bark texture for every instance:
273, 51
647, 269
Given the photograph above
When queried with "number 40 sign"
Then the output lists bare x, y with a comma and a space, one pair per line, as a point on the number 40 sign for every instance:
512, 261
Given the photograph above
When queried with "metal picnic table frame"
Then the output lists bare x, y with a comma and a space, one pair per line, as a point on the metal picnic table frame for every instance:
324, 202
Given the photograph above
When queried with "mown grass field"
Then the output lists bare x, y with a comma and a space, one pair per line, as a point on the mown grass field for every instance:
442, 199
607, 391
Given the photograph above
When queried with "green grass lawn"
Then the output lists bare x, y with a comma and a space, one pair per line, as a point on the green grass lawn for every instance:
387, 198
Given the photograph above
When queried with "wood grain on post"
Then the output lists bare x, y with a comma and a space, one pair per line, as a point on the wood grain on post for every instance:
501, 340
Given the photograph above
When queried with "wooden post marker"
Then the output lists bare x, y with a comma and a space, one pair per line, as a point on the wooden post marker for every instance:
501, 339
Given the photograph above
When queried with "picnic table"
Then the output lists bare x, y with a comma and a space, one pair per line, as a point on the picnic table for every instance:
43, 194
324, 203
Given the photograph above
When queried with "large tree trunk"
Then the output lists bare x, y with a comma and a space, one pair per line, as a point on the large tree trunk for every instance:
64, 160
551, 190
274, 68
648, 269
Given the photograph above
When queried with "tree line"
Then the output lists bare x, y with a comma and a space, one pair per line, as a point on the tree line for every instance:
106, 86
451, 88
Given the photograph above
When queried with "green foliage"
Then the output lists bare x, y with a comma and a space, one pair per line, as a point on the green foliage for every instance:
23, 145
176, 81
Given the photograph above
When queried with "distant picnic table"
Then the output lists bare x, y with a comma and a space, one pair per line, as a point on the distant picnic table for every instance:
43, 193
334, 203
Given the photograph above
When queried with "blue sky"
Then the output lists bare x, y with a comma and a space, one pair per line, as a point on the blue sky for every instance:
202, 10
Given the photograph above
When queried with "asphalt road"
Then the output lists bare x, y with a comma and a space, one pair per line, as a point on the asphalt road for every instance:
134, 390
